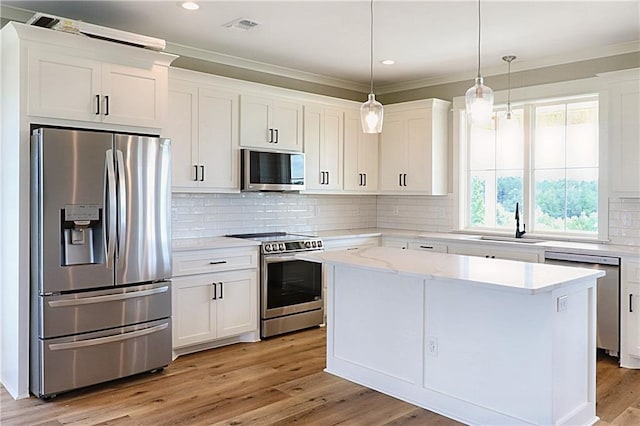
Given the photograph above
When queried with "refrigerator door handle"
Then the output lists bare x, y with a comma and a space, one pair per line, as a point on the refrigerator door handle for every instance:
122, 203
107, 297
109, 222
107, 339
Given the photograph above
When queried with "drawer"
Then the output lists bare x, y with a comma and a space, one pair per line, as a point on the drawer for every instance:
428, 246
217, 260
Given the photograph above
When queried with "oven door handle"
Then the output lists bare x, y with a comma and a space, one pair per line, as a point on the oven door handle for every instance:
279, 258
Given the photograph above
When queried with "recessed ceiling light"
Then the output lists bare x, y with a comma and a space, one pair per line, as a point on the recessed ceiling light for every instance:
388, 62
190, 5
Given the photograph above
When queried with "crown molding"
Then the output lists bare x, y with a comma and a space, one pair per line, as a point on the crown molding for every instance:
235, 61
584, 55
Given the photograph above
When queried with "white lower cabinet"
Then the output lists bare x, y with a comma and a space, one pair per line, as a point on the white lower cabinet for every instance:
215, 295
428, 246
630, 314
492, 253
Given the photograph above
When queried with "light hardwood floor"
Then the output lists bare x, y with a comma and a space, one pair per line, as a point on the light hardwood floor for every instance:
277, 381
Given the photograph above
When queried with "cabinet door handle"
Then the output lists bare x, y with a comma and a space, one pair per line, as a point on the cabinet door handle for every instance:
327, 178
405, 179
321, 178
277, 135
217, 262
400, 179
106, 112
630, 302
221, 290
361, 179
365, 179
97, 104
202, 174
270, 135
215, 291
195, 174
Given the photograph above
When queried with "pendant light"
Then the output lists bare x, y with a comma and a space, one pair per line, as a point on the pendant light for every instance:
510, 123
371, 113
508, 60
479, 98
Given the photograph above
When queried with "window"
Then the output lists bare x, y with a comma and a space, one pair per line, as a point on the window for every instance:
545, 160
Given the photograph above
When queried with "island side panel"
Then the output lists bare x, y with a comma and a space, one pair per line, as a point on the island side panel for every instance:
380, 318
574, 369
494, 348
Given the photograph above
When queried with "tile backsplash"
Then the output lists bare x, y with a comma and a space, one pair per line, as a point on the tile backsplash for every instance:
421, 213
212, 215
624, 221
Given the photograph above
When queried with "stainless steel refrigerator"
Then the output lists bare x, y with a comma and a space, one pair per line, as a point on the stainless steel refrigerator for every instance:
100, 257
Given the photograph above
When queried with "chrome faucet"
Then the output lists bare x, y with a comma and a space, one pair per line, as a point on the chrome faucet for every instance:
519, 233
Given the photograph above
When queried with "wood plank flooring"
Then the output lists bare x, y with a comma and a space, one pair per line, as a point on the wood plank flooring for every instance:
275, 382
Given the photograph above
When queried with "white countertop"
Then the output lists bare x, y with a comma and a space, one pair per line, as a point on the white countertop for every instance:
187, 244
505, 275
454, 237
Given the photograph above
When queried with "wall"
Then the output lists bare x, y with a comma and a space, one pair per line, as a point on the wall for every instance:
421, 213
624, 221
210, 215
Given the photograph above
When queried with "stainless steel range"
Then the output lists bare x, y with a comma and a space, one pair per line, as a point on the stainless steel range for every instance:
291, 289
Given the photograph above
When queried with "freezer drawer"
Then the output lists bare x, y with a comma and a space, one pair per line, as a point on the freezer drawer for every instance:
84, 312
73, 362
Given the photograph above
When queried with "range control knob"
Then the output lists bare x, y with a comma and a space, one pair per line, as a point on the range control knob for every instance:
314, 244
282, 247
307, 244
267, 248
319, 244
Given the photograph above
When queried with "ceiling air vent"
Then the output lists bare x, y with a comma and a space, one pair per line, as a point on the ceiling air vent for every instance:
241, 24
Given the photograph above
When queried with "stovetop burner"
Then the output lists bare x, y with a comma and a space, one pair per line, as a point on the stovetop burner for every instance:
282, 242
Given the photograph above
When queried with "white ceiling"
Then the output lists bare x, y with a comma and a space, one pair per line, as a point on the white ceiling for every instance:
431, 41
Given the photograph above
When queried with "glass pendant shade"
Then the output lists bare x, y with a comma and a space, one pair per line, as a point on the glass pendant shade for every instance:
371, 115
479, 100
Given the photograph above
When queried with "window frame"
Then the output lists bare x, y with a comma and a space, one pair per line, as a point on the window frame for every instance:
527, 98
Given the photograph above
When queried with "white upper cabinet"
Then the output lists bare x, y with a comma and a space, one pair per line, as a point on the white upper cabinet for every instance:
73, 87
323, 141
414, 148
203, 127
271, 123
624, 134
360, 156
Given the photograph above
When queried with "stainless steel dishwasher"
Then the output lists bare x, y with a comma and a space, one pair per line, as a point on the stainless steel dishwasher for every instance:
608, 302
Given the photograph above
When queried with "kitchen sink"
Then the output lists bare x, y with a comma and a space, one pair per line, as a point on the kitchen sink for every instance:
511, 239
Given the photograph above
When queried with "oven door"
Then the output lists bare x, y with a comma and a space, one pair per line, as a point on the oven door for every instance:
290, 285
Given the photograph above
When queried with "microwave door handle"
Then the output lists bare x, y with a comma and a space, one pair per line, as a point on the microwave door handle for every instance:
109, 213
122, 203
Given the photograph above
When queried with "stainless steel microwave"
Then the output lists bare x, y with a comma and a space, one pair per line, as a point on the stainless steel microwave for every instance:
272, 171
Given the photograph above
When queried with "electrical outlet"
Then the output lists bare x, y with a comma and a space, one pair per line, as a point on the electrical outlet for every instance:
432, 345
395, 211
441, 213
562, 303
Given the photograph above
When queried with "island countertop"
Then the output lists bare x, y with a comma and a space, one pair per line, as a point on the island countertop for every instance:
505, 275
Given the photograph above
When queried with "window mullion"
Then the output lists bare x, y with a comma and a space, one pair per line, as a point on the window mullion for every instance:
527, 175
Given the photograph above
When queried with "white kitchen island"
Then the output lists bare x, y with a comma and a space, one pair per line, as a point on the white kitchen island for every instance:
482, 341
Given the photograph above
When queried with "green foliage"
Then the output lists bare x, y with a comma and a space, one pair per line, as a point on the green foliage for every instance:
561, 205
478, 191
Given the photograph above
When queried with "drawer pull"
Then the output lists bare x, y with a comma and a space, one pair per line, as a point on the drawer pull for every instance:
630, 302
427, 247
218, 262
